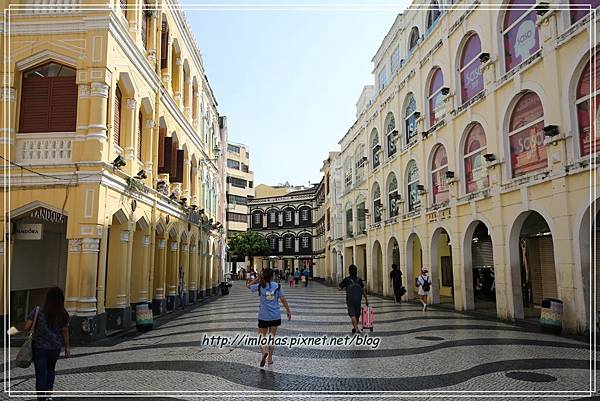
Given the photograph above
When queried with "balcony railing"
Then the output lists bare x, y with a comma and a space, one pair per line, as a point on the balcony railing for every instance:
44, 148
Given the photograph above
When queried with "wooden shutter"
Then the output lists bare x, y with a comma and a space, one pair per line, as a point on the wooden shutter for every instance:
139, 136
35, 105
117, 118
161, 148
164, 45
173, 172
482, 254
167, 155
178, 176
546, 249
63, 104
144, 32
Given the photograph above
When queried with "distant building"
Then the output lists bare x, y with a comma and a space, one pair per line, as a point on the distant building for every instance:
292, 219
240, 188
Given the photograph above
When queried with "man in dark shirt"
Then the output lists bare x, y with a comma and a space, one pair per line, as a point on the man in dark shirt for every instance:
355, 291
396, 280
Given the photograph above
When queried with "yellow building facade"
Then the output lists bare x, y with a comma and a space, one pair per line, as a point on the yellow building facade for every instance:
114, 175
470, 156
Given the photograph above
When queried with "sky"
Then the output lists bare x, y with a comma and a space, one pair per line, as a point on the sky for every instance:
288, 81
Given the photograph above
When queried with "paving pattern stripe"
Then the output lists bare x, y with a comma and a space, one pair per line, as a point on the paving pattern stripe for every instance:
354, 354
275, 381
182, 322
302, 312
288, 332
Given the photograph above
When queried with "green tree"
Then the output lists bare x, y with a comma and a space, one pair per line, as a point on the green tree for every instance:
248, 245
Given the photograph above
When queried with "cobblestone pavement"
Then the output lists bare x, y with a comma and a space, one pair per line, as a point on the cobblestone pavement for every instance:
440, 353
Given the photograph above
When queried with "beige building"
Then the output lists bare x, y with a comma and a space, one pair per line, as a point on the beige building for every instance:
117, 184
470, 155
240, 187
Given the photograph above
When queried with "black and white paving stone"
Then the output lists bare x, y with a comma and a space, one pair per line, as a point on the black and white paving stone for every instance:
439, 353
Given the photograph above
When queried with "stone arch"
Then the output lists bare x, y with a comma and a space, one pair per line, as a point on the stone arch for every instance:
377, 268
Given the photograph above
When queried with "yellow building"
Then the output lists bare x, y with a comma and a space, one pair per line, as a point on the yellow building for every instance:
115, 180
470, 155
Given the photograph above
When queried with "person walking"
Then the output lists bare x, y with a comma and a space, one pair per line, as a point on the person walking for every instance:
269, 314
50, 335
180, 288
355, 290
290, 278
306, 275
296, 277
424, 284
396, 282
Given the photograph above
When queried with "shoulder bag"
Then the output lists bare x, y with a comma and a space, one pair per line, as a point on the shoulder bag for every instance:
25, 354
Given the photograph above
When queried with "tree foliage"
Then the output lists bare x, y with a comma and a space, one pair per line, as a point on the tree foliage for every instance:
248, 245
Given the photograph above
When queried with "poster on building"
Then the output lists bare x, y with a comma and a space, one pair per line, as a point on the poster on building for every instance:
28, 232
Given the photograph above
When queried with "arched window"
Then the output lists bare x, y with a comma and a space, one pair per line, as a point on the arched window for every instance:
377, 207
435, 97
375, 148
305, 215
359, 162
256, 215
475, 170
274, 244
433, 14
412, 186
361, 225
410, 118
48, 99
439, 166
139, 135
413, 39
586, 118
305, 242
581, 8
391, 134
526, 135
145, 23
471, 78
289, 244
117, 117
349, 218
348, 174
272, 218
520, 33
289, 216
393, 198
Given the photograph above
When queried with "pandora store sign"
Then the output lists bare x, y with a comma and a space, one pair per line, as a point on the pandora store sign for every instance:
27, 231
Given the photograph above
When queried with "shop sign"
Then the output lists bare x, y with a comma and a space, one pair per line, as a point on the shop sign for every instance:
25, 231
48, 215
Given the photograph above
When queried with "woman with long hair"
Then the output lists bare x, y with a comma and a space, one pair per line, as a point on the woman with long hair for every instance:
269, 314
50, 335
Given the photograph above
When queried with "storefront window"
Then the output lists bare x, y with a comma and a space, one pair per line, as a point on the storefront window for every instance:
471, 78
521, 37
436, 99
585, 103
475, 170
439, 167
526, 136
